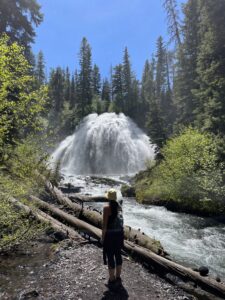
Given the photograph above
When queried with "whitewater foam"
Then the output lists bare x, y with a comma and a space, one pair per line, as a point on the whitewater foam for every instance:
104, 144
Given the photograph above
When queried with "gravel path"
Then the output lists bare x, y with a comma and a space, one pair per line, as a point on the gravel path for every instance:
77, 272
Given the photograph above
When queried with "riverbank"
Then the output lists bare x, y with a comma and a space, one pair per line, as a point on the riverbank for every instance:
186, 176
141, 190
75, 270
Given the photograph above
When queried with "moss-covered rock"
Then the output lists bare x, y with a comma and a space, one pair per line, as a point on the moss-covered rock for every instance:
128, 191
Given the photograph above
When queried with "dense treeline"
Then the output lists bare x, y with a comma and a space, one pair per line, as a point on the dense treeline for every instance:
74, 95
190, 173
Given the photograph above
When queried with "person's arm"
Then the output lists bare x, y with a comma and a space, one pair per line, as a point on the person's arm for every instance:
105, 221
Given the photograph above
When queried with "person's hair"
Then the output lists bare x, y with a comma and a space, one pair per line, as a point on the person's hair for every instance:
114, 208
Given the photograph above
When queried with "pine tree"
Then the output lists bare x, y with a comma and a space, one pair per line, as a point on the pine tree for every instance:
135, 100
96, 80
18, 18
56, 91
117, 88
72, 93
173, 20
147, 92
127, 82
67, 85
210, 110
85, 78
40, 69
154, 121
105, 95
186, 70
161, 71
154, 124
105, 90
163, 89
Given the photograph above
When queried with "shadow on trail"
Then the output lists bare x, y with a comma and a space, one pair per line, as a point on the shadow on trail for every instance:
119, 294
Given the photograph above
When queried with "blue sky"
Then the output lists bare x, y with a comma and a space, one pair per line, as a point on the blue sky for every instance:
109, 26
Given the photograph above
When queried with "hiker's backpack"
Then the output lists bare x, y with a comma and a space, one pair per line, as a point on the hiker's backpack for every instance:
117, 223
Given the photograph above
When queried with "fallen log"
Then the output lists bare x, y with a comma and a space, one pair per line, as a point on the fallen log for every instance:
43, 217
187, 274
148, 256
95, 219
71, 220
84, 198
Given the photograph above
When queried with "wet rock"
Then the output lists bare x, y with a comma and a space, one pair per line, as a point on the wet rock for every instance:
69, 188
59, 236
218, 279
203, 271
29, 295
128, 191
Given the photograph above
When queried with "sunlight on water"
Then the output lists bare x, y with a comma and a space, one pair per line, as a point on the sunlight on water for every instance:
190, 240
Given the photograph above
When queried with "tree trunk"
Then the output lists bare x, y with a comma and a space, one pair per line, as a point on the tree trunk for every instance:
95, 218
83, 198
71, 220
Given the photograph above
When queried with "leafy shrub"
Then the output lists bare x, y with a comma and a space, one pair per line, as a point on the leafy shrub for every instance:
16, 226
190, 170
19, 179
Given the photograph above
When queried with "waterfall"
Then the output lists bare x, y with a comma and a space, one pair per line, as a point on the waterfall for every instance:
106, 144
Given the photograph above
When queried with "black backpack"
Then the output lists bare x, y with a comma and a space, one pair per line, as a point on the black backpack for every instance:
117, 223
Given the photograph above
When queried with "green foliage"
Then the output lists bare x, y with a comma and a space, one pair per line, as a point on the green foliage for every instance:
85, 78
96, 80
40, 69
188, 172
18, 17
19, 179
106, 91
156, 95
16, 226
97, 105
68, 119
20, 104
21, 157
210, 113
117, 88
186, 73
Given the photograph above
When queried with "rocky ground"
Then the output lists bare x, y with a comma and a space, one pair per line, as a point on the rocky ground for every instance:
75, 271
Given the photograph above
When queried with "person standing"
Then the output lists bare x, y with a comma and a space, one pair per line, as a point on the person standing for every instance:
113, 238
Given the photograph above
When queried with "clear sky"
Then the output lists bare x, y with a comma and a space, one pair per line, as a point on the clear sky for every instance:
109, 26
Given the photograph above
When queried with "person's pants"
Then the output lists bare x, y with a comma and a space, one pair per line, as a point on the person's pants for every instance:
114, 258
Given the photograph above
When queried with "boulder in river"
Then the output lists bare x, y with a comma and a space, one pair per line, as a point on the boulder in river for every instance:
128, 191
203, 271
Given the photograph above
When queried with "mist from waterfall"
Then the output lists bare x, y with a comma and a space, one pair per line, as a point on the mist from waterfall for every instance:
106, 144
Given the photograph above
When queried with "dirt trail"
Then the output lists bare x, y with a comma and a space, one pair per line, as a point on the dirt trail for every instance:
77, 272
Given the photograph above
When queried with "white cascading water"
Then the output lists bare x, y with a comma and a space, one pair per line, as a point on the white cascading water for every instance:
104, 144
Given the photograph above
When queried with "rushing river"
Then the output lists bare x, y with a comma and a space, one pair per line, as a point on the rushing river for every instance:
190, 240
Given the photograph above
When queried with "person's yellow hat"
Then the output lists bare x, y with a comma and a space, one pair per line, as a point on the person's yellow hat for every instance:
111, 195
